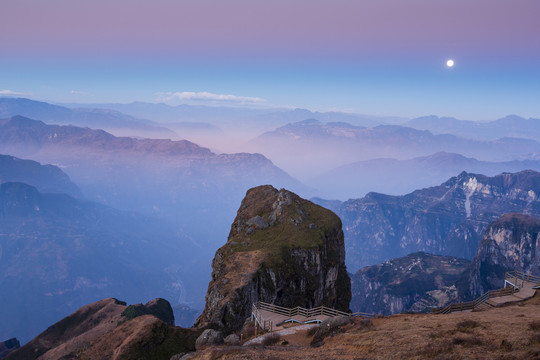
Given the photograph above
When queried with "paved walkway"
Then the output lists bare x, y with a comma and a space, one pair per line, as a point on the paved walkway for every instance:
526, 291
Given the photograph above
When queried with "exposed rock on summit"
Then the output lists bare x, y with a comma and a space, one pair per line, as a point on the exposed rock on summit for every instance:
282, 249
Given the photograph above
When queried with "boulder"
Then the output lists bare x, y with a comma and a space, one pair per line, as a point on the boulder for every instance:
232, 339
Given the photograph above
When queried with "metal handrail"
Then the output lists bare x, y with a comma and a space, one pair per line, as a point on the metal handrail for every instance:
308, 313
475, 303
521, 276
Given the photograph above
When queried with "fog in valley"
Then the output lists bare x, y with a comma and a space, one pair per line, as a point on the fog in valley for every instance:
144, 194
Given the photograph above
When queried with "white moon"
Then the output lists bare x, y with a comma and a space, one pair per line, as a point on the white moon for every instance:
450, 63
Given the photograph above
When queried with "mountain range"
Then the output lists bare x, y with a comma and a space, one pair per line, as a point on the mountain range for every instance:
106, 119
448, 219
185, 185
46, 178
508, 126
57, 253
398, 177
171, 178
310, 147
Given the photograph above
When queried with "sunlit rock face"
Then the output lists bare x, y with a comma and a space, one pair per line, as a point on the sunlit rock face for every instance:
283, 250
510, 243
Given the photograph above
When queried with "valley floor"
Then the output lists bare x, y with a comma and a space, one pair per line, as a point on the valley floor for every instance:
507, 332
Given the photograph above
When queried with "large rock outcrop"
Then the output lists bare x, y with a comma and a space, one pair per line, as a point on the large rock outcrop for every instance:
281, 249
510, 243
416, 282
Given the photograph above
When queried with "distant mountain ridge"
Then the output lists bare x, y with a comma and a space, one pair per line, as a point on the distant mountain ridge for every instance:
224, 115
508, 126
46, 178
57, 253
179, 182
311, 147
397, 177
95, 118
109, 167
448, 219
36, 136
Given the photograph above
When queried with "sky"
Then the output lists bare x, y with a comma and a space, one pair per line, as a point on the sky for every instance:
376, 57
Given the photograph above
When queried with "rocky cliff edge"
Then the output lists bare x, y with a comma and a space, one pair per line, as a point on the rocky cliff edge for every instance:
281, 249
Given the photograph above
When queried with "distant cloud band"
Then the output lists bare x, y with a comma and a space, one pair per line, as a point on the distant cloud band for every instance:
208, 96
13, 93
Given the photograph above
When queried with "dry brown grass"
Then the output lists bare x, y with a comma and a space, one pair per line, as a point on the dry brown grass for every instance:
467, 326
534, 325
467, 341
271, 339
510, 332
312, 331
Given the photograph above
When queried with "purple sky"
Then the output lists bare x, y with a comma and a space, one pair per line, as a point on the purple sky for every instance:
360, 55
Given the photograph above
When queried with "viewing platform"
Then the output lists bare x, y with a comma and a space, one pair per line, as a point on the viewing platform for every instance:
518, 286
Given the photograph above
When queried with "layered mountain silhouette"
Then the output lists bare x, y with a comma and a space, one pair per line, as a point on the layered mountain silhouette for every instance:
188, 186
58, 253
177, 179
46, 178
295, 146
95, 118
448, 219
508, 126
398, 177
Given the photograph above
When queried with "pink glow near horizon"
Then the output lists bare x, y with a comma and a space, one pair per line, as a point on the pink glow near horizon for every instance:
254, 26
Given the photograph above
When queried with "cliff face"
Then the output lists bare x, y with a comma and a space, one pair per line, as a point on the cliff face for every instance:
415, 282
281, 249
449, 219
510, 243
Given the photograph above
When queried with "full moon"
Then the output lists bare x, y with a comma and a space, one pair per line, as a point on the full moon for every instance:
450, 63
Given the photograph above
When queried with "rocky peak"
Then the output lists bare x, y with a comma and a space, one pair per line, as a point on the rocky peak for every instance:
510, 243
281, 249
